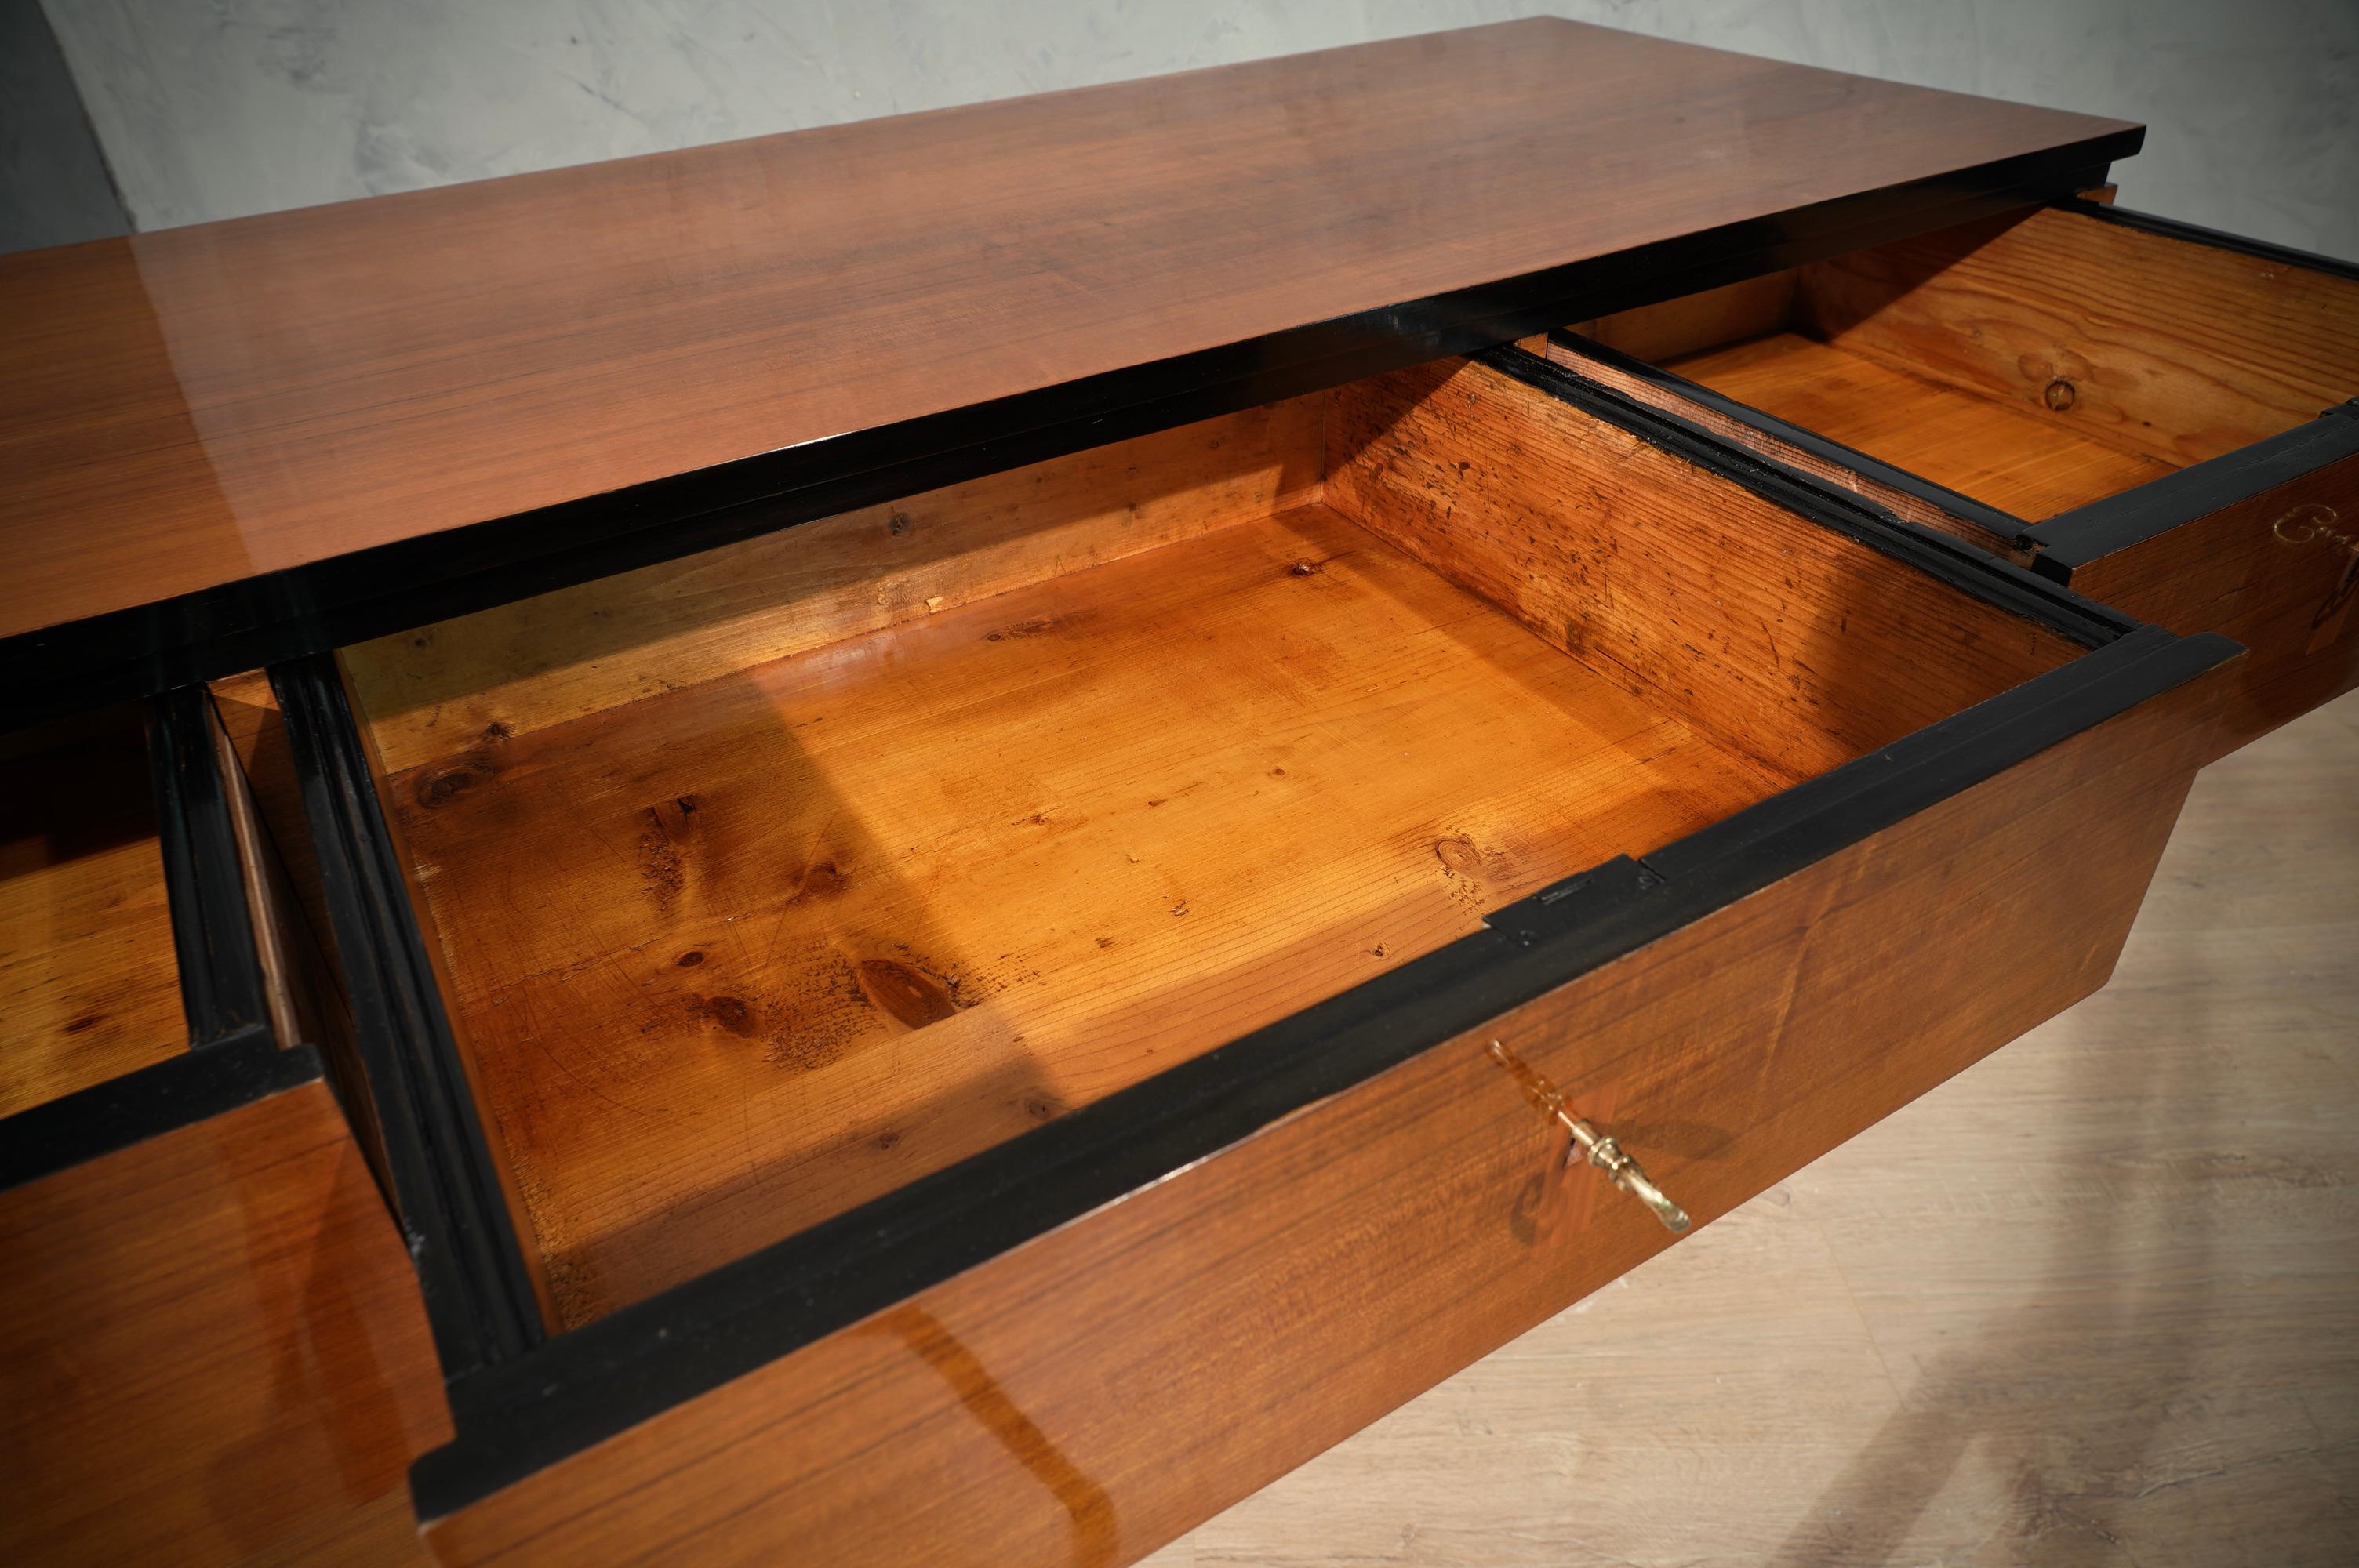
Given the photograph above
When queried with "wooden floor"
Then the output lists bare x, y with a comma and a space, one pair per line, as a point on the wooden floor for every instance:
2014, 458
2096, 1301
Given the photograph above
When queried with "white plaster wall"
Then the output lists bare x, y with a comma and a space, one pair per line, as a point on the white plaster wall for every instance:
214, 108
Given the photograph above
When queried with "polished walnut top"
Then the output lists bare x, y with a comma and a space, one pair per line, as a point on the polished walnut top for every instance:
190, 408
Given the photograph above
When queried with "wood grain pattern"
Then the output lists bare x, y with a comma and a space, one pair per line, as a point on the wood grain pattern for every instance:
1090, 1395
737, 957
2174, 351
442, 688
188, 407
2278, 572
2004, 454
1903, 503
215, 1350
2095, 1300
89, 990
1774, 633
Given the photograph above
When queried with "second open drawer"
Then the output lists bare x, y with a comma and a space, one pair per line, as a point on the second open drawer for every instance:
2154, 414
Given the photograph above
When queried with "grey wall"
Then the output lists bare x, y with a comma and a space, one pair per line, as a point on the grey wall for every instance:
53, 186
235, 106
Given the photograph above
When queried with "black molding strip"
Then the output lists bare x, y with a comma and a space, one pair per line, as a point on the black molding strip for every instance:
107, 1118
621, 1369
452, 1211
204, 878
1941, 555
2072, 539
1957, 503
2172, 228
282, 616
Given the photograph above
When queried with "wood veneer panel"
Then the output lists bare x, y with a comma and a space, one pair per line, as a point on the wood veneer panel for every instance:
215, 1350
1097, 1391
2176, 350
1797, 646
439, 690
194, 406
2278, 571
737, 957
89, 988
2004, 454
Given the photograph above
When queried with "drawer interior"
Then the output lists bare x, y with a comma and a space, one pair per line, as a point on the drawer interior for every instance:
766, 881
89, 986
2034, 362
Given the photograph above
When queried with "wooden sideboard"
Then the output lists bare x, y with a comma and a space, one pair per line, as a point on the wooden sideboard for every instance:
937, 840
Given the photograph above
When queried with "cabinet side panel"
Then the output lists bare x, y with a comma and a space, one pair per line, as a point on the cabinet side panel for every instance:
1096, 1392
215, 1350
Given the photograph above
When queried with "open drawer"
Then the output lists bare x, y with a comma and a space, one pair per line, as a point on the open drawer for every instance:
2153, 414
991, 1026
214, 1344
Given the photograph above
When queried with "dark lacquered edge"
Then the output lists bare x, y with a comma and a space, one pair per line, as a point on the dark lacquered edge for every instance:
598, 1380
282, 616
107, 1118
2172, 228
204, 877
1941, 555
1958, 504
2072, 539
448, 1201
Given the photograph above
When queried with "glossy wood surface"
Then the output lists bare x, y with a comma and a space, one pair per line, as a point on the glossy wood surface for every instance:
195, 407
735, 958
1089, 1396
89, 990
214, 1350
2005, 454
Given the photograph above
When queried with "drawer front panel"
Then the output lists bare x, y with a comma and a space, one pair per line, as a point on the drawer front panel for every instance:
1095, 1392
215, 1349
2276, 571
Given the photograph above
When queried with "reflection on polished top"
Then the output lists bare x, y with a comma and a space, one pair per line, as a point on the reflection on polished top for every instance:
184, 409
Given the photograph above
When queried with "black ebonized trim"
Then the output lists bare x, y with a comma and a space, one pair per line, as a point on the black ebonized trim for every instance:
611, 1374
270, 619
204, 879
2074, 538
452, 1210
623, 1368
1943, 556
104, 1119
1958, 504
2193, 235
